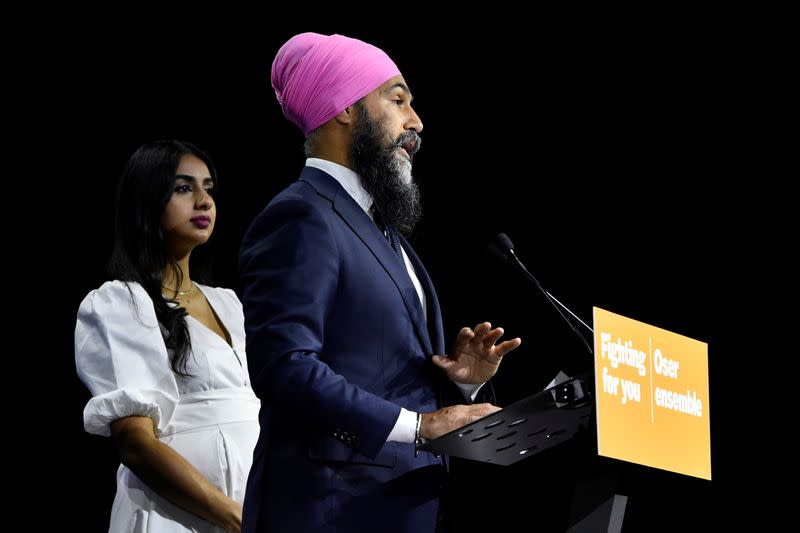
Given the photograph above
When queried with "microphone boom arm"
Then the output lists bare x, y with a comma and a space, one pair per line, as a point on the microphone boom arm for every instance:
503, 248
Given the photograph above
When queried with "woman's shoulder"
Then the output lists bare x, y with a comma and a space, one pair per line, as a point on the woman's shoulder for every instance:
114, 293
117, 290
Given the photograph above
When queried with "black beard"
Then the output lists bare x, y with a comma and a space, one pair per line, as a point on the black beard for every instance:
381, 169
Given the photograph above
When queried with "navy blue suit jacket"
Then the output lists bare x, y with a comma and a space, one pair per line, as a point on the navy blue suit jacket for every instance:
336, 344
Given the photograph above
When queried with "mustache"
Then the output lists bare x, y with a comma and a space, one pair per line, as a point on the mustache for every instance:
410, 141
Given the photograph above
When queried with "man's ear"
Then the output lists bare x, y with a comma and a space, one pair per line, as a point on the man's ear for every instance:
347, 116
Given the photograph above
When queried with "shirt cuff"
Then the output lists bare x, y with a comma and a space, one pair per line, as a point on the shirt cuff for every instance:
469, 390
405, 428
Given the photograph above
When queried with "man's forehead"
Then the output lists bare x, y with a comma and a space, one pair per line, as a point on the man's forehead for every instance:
395, 84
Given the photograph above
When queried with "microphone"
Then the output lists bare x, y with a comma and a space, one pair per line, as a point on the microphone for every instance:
503, 248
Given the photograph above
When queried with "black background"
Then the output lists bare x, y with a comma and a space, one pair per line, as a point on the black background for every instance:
597, 144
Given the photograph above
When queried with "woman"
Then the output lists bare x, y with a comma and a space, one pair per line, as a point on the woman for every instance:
164, 356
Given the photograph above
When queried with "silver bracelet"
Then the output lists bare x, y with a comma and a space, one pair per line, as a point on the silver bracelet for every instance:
417, 438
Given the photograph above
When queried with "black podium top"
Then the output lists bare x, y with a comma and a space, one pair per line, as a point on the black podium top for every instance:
524, 428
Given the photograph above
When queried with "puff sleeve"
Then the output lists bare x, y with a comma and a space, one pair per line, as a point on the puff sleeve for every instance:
121, 357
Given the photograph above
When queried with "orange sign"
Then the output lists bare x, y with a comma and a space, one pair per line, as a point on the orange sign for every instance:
651, 396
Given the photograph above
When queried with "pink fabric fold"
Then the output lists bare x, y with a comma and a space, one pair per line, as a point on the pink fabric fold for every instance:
315, 77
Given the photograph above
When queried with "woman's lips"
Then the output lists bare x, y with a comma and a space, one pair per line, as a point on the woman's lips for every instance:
201, 222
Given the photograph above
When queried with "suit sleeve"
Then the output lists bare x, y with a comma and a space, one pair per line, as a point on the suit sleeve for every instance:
290, 268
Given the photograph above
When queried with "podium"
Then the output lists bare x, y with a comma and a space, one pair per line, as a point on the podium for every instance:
531, 426
524, 428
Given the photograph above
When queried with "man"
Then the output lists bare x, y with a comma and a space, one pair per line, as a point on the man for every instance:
342, 319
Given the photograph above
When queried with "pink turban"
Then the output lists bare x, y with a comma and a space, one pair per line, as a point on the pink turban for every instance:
316, 77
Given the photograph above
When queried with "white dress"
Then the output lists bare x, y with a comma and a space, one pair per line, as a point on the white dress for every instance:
210, 418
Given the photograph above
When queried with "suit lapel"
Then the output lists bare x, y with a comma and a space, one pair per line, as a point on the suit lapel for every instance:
368, 232
436, 328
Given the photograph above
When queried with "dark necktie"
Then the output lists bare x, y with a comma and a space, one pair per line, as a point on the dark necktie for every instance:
390, 234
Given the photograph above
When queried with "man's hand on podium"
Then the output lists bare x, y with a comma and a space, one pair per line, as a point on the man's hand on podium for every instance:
447, 419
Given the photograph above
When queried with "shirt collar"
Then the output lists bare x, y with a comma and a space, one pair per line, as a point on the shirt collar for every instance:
349, 180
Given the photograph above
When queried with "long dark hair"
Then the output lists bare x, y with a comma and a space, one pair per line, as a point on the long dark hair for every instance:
139, 253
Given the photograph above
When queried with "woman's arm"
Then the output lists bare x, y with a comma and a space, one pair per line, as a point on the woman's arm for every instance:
170, 475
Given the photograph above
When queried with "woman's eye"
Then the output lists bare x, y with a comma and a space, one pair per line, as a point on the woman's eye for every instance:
183, 188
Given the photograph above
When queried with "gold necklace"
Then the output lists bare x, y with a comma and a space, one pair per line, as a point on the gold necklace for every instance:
180, 293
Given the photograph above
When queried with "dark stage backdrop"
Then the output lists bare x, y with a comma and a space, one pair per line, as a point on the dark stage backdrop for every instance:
593, 148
